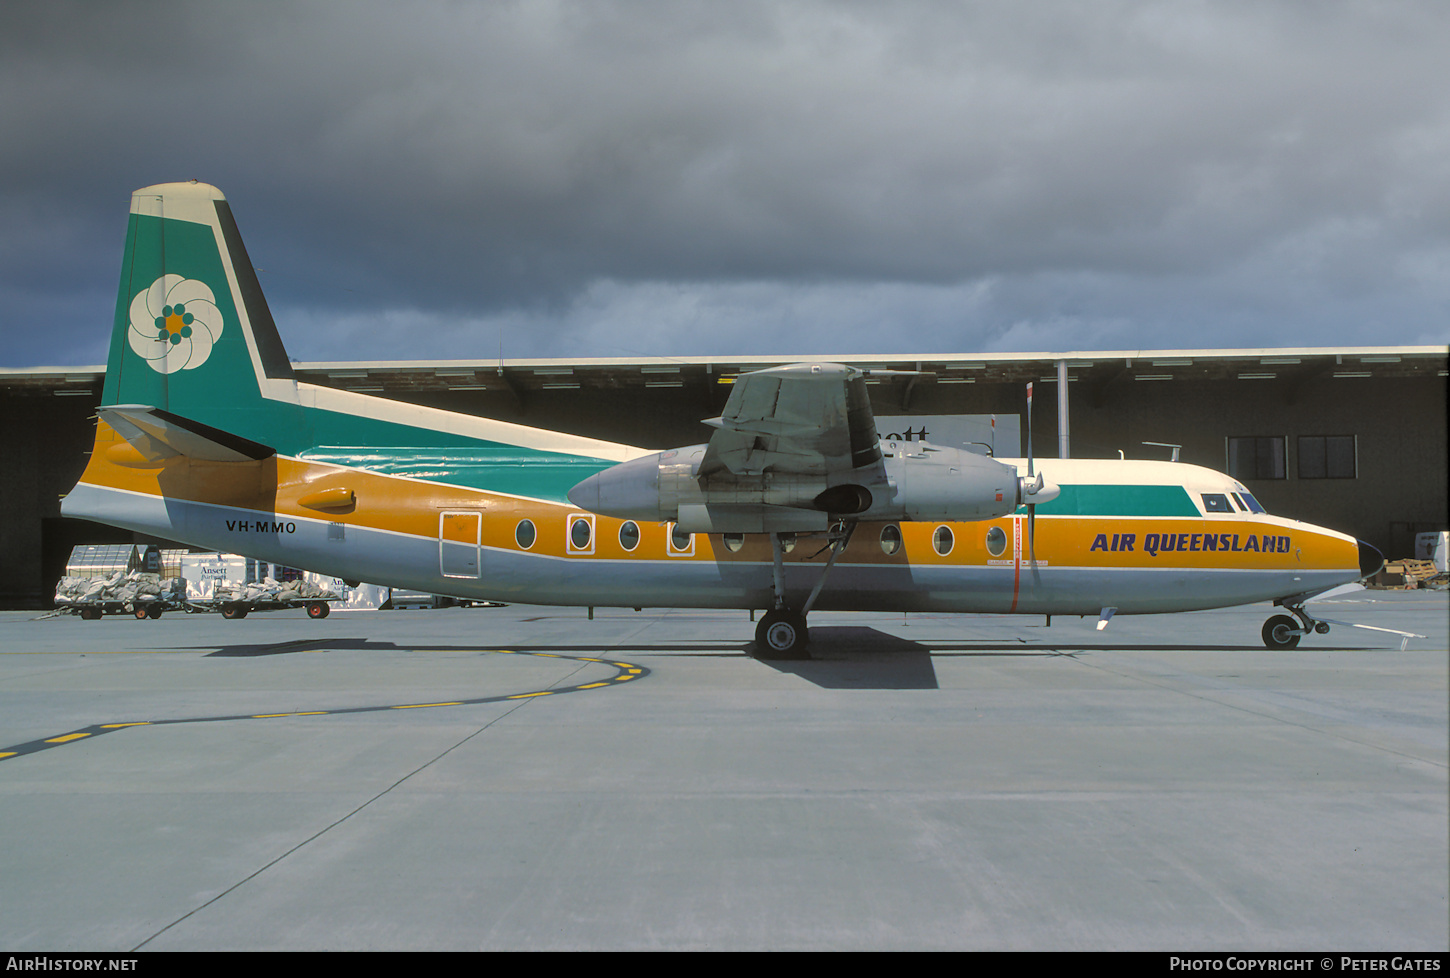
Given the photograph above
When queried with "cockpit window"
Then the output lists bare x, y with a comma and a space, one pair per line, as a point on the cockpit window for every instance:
1253, 503
1239, 503
1216, 502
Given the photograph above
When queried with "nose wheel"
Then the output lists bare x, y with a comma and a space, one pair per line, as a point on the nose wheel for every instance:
1283, 632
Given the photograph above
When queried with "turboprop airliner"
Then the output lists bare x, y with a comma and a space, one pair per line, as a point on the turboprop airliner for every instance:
206, 437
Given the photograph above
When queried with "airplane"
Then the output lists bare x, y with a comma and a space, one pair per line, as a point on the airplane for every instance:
205, 436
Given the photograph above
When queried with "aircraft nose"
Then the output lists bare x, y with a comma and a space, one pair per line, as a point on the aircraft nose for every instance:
1370, 560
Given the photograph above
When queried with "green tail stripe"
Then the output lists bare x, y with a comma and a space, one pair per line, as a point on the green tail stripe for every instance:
1119, 501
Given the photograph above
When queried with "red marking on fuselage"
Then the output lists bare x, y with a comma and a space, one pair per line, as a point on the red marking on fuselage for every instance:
1016, 559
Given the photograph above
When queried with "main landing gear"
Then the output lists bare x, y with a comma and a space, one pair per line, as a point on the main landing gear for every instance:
1283, 632
781, 632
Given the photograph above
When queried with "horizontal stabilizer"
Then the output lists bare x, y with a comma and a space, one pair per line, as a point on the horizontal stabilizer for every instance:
158, 434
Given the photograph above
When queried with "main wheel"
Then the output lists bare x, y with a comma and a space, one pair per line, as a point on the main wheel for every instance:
318, 609
781, 634
1279, 632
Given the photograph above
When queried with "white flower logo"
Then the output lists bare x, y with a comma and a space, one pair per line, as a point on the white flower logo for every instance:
174, 324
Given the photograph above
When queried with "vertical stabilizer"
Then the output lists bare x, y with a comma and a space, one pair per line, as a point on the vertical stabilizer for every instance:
193, 335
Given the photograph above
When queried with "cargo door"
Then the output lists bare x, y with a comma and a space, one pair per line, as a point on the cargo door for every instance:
458, 540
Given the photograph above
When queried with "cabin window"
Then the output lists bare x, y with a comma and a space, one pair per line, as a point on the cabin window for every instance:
787, 542
579, 532
1256, 458
890, 538
996, 541
524, 534
629, 535
1216, 502
942, 540
734, 541
1326, 457
679, 539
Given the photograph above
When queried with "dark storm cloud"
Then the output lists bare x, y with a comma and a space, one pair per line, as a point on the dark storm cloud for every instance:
593, 178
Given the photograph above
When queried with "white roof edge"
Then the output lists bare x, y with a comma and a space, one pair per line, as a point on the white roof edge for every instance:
97, 368
494, 363
1095, 355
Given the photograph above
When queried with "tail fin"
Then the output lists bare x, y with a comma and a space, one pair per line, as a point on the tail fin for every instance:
193, 335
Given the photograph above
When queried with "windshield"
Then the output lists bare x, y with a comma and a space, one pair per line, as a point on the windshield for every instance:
1252, 503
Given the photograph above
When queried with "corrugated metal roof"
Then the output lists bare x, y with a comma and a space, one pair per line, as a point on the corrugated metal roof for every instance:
1295, 364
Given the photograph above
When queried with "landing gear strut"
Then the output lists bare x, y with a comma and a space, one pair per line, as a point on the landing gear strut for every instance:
782, 633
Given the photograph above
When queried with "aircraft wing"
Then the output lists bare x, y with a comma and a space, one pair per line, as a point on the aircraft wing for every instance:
806, 418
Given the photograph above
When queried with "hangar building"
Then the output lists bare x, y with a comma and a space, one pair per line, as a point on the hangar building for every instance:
1353, 439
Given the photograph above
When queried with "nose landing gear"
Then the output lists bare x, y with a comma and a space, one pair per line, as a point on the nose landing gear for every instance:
1283, 632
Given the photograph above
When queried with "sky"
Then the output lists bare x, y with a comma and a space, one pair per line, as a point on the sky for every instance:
686, 179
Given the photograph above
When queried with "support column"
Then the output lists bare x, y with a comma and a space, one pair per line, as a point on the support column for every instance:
1062, 409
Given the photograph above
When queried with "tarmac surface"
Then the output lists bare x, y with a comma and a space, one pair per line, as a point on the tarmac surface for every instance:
640, 782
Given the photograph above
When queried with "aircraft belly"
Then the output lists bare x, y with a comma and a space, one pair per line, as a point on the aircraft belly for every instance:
140, 512
986, 590
1081, 590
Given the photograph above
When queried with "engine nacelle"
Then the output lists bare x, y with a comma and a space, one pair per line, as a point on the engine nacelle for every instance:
929, 482
919, 482
666, 486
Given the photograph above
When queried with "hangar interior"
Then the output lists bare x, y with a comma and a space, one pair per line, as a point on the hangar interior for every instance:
1353, 439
